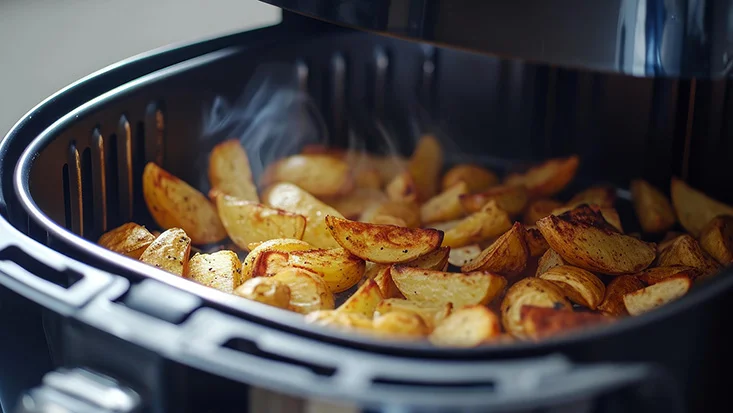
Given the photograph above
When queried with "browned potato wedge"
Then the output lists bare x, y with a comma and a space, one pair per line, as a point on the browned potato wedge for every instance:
445, 206
431, 314
129, 239
435, 260
656, 295
425, 165
657, 274
613, 301
408, 214
169, 252
529, 291
292, 198
221, 270
388, 166
364, 301
440, 288
319, 175
717, 239
230, 173
269, 263
590, 214
511, 199
548, 178
476, 178
543, 322
463, 255
367, 178
652, 207
604, 196
489, 222
383, 278
467, 327
507, 256
308, 291
535, 242
695, 209
684, 250
339, 269
341, 320
580, 286
175, 204
266, 290
353, 205
539, 209
402, 189
383, 243
597, 249
280, 244
398, 324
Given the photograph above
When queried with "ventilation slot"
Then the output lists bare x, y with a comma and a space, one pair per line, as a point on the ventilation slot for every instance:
488, 384
65, 278
139, 209
337, 99
87, 194
113, 197
249, 347
67, 198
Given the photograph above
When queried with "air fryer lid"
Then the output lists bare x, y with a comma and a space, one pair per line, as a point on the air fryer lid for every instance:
647, 38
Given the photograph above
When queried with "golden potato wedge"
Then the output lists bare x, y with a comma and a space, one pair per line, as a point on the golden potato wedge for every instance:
475, 177
657, 274
548, 178
230, 173
467, 327
308, 291
398, 324
341, 320
383, 278
542, 322
550, 259
354, 204
319, 175
716, 239
431, 314
169, 252
221, 270
684, 250
603, 196
463, 255
388, 220
539, 209
613, 301
388, 166
579, 286
339, 269
447, 225
266, 290
491, 221
596, 249
656, 295
247, 222
367, 177
593, 215
652, 207
436, 260
511, 199
175, 204
695, 209
439, 288
445, 206
402, 189
507, 256
364, 301
393, 213
292, 198
529, 291
425, 166
278, 244
383, 243
371, 269
128, 239
535, 241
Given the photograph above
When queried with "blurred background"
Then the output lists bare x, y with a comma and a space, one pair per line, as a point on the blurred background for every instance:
47, 44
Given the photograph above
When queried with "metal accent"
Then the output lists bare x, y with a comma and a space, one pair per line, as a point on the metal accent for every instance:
99, 180
75, 194
124, 168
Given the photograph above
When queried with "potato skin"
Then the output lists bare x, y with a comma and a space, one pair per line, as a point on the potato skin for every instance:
656, 295
425, 166
685, 250
695, 209
476, 177
308, 291
399, 324
653, 209
529, 291
364, 301
542, 322
603, 196
467, 327
281, 244
509, 198
319, 175
339, 269
432, 315
169, 252
548, 260
506, 256
491, 221
265, 290
128, 239
230, 172
613, 300
547, 178
539, 209
445, 206
716, 239
580, 286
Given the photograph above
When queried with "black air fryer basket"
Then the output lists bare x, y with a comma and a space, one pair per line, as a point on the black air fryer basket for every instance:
636, 89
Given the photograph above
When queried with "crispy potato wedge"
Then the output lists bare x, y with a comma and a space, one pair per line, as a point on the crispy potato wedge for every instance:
463, 255
550, 259
657, 274
445, 206
383, 278
535, 241
319, 175
292, 198
511, 199
440, 288
175, 204
597, 249
475, 177
221, 270
247, 222
548, 178
579, 286
539, 209
447, 225
308, 291
230, 173
590, 214
507, 256
279, 244
398, 324
652, 207
383, 243
364, 301
339, 269
266, 290
402, 189
425, 165
128, 239
389, 212
656, 295
467, 327
716, 239
604, 196
684, 250
341, 320
542, 322
491, 221
695, 209
613, 300
529, 291
436, 260
169, 252
353, 205
431, 314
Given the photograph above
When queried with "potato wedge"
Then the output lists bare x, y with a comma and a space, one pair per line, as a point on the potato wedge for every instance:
221, 270
475, 177
535, 241
341, 320
657, 274
319, 175
308, 291
175, 204
507, 256
339, 269
247, 222
467, 327
425, 166
548, 178
128, 239
439, 288
388, 166
596, 249
539, 209
169, 252
367, 177
593, 215
529, 291
388, 212
511, 199
230, 173
463, 255
716, 239
431, 314
402, 189
652, 207
684, 250
548, 260
436, 260
445, 206
656, 295
292, 198
383, 278
280, 244
269, 263
695, 209
353, 205
603, 196
364, 301
491, 221
542, 322
383, 243
266, 290
579, 286
613, 300
398, 324
447, 225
